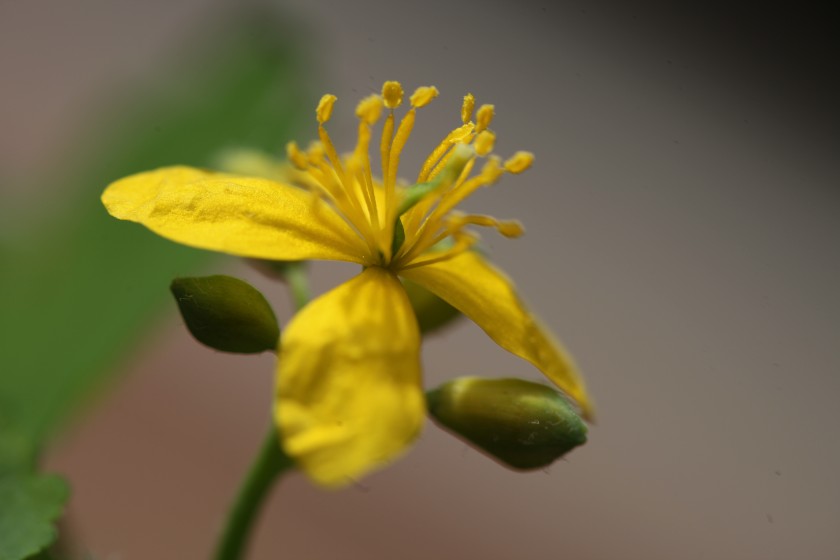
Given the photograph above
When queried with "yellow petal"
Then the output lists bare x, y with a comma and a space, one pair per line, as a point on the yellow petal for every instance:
485, 295
245, 216
348, 388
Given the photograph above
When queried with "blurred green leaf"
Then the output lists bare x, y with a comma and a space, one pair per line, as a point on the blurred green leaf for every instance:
28, 506
78, 287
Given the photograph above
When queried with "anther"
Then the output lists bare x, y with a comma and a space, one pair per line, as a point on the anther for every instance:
510, 228
484, 142
392, 93
484, 117
315, 151
491, 170
467, 108
369, 109
519, 162
422, 96
297, 157
325, 107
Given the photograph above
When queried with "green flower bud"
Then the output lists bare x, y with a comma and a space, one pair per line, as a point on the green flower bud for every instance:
227, 314
432, 312
521, 424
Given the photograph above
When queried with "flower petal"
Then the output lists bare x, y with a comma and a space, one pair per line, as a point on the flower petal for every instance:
485, 295
348, 386
245, 216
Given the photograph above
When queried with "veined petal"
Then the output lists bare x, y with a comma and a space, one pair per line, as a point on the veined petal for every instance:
245, 216
485, 295
348, 388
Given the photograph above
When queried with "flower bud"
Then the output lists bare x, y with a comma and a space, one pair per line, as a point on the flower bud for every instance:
521, 424
226, 313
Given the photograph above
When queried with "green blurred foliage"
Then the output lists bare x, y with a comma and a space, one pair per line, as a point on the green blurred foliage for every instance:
31, 503
78, 287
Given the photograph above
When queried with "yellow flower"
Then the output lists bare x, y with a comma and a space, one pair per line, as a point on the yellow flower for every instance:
349, 395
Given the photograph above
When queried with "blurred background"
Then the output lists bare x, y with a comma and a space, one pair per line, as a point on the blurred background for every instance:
681, 240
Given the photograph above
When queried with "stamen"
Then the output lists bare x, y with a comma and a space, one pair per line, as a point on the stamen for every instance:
296, 156
369, 109
422, 96
467, 108
423, 214
334, 179
332, 154
463, 241
361, 168
400, 138
455, 137
484, 117
490, 173
344, 201
385, 144
519, 162
507, 228
358, 188
392, 93
484, 142
458, 165
325, 107
315, 151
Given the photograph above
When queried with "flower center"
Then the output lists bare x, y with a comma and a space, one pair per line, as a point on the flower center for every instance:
407, 226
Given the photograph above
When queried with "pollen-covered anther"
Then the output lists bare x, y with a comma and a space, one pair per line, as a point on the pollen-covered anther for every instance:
508, 228
484, 142
484, 117
519, 162
315, 151
492, 170
467, 108
392, 93
422, 96
325, 107
296, 156
369, 109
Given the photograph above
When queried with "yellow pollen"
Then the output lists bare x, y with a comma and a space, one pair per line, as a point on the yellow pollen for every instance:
297, 157
519, 162
369, 109
484, 117
422, 96
392, 92
325, 107
467, 108
484, 142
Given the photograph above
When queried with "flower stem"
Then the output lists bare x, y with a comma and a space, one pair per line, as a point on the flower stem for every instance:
269, 464
295, 273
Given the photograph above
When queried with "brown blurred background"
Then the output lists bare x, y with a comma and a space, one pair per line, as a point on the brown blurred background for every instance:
682, 239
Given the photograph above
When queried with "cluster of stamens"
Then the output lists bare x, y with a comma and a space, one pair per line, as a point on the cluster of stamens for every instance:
407, 226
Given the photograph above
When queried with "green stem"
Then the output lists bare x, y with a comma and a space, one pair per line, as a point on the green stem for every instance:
270, 463
298, 280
